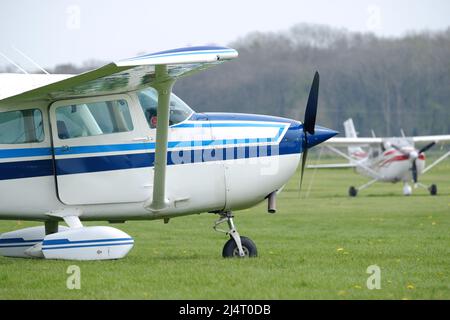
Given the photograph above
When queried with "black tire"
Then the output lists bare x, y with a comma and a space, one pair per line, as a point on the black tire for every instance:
352, 192
433, 189
230, 249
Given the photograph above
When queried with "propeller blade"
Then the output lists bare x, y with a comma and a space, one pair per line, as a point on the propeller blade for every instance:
311, 107
414, 171
304, 156
310, 121
427, 147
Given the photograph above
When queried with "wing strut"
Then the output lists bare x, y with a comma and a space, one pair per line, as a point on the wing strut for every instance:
163, 85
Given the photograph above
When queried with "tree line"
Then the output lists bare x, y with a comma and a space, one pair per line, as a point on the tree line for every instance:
384, 84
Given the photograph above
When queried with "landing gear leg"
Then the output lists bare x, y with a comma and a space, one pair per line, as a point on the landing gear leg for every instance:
432, 189
353, 192
237, 246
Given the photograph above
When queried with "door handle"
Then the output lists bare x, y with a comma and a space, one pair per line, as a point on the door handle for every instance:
65, 148
141, 139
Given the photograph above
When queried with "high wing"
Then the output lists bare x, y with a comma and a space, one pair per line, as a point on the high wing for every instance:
441, 138
332, 166
371, 141
124, 75
159, 70
352, 141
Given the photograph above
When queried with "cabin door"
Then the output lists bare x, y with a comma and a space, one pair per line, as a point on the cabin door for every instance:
99, 153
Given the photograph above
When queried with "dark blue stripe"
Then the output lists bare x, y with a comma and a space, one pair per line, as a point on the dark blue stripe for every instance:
38, 168
26, 169
18, 240
20, 246
89, 245
104, 163
142, 160
67, 241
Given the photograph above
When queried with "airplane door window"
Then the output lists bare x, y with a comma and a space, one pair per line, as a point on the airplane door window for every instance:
91, 119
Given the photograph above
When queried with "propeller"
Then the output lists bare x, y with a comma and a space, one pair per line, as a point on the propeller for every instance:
414, 155
427, 147
310, 120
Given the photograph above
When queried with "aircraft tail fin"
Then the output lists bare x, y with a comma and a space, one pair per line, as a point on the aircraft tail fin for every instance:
350, 132
349, 127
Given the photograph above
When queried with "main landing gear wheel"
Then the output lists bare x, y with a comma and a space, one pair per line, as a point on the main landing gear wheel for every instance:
352, 191
231, 250
433, 189
237, 246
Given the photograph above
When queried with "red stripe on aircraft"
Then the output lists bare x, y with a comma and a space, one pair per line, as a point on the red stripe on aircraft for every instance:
401, 158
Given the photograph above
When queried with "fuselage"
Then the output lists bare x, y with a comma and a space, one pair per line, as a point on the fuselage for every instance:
75, 158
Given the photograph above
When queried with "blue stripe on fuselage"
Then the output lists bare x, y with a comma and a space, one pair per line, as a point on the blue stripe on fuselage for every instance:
37, 168
142, 160
29, 152
26, 169
290, 144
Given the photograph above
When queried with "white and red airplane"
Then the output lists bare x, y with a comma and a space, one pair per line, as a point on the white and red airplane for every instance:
386, 159
115, 144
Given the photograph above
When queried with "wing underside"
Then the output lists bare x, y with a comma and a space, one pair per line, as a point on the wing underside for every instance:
128, 75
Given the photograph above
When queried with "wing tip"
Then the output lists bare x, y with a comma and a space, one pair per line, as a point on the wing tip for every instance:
195, 54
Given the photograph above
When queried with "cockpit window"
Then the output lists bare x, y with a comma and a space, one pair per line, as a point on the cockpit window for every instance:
179, 110
21, 126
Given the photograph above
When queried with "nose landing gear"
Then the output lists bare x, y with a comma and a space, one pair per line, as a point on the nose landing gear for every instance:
237, 246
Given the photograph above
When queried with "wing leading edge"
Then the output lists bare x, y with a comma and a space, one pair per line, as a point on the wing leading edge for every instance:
373, 141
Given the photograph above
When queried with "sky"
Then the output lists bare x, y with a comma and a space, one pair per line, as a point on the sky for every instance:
69, 31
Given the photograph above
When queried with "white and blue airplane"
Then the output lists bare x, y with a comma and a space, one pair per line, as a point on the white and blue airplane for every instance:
115, 144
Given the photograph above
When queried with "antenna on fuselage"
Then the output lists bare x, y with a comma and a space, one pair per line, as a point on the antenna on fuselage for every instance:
31, 60
13, 63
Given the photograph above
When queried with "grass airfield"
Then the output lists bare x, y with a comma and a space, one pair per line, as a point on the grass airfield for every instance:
317, 247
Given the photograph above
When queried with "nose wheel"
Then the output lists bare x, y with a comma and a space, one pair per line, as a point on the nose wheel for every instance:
237, 246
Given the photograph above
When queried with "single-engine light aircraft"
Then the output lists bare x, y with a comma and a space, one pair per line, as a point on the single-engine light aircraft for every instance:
115, 144
386, 159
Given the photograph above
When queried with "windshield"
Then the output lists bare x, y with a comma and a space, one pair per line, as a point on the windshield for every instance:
179, 110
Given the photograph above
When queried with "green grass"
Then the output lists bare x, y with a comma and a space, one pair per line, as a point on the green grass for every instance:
314, 248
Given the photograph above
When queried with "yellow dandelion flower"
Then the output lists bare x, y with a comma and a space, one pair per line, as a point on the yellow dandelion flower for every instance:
339, 249
410, 287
